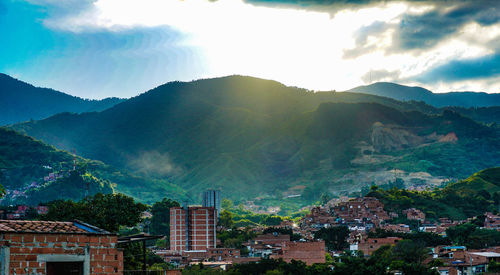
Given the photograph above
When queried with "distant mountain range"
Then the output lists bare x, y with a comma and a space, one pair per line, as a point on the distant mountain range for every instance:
20, 101
406, 93
252, 137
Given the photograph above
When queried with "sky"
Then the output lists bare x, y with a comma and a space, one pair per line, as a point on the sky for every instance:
103, 48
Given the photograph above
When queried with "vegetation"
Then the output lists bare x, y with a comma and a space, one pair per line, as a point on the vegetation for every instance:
235, 238
467, 198
428, 239
24, 162
242, 218
252, 137
335, 237
160, 221
106, 211
406, 256
473, 237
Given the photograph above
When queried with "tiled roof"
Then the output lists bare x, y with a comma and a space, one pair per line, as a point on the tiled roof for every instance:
48, 227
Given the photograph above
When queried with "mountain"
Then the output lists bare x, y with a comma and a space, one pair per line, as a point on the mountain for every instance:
487, 180
34, 172
406, 93
251, 137
473, 196
20, 101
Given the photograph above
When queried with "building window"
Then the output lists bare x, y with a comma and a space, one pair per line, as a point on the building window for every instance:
69, 268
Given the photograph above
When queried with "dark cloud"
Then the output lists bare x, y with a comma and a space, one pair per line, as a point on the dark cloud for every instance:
419, 32
457, 70
378, 75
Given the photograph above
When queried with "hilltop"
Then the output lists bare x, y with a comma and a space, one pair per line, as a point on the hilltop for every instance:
406, 93
34, 172
20, 101
254, 137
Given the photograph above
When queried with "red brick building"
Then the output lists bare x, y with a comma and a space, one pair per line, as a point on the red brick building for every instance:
372, 244
193, 228
45, 247
414, 214
308, 252
492, 221
361, 209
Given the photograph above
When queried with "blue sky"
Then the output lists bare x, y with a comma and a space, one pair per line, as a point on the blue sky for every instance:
101, 48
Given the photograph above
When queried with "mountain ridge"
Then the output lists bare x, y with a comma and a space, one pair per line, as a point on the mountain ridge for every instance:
253, 137
406, 93
21, 101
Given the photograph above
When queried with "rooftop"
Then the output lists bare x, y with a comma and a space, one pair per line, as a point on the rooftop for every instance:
487, 254
74, 227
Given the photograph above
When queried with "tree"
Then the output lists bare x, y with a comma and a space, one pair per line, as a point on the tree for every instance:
226, 219
106, 211
2, 191
160, 222
409, 251
324, 198
335, 237
227, 204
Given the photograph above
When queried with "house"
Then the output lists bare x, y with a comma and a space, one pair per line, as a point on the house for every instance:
265, 245
414, 214
308, 252
54, 247
369, 245
491, 221
460, 261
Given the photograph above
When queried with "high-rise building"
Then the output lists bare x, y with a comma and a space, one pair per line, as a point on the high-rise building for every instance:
192, 228
211, 198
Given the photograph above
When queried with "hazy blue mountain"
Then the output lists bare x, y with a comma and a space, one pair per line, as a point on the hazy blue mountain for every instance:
406, 93
20, 101
250, 136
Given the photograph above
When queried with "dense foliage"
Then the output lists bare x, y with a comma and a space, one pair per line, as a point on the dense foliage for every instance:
428, 239
24, 162
473, 237
240, 217
106, 211
160, 220
467, 198
252, 137
335, 237
235, 238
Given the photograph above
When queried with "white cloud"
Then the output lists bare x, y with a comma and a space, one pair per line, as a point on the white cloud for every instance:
296, 47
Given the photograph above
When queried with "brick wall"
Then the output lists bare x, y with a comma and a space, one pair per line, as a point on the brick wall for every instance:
202, 222
29, 253
372, 244
308, 252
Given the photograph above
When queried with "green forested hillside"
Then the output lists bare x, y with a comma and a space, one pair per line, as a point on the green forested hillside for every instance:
20, 101
34, 172
253, 137
460, 200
